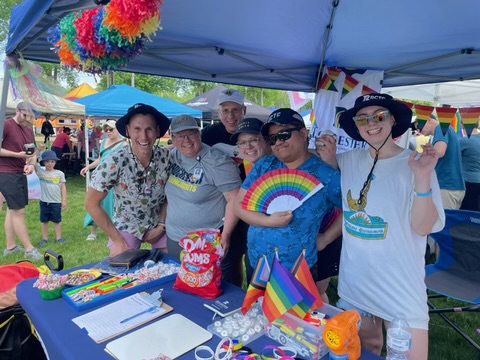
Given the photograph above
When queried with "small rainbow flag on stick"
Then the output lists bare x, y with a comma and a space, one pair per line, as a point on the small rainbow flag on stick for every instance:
281, 293
257, 285
302, 273
470, 118
445, 116
423, 114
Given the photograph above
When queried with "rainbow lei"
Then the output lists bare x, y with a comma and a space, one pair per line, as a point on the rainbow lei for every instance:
107, 37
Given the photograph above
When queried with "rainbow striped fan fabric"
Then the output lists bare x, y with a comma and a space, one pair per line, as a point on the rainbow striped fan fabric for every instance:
279, 190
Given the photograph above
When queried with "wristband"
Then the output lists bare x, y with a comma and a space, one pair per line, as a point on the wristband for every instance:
204, 348
423, 194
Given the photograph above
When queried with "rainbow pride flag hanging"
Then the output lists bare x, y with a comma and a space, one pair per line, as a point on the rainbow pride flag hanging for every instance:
423, 114
445, 116
470, 118
281, 293
333, 72
348, 85
366, 90
326, 83
257, 285
312, 117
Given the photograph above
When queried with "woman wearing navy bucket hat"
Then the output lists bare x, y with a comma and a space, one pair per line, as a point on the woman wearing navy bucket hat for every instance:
391, 202
137, 173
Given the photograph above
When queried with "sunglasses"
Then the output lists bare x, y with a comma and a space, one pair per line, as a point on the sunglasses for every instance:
283, 135
363, 120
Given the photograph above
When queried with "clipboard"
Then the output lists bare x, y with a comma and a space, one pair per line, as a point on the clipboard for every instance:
119, 317
172, 336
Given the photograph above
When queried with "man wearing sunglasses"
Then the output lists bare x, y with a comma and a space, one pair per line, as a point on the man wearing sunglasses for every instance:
15, 164
288, 233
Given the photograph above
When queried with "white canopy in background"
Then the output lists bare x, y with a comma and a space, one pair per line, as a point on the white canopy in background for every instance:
455, 93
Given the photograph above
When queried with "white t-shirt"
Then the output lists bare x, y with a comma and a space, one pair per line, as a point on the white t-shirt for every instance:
382, 267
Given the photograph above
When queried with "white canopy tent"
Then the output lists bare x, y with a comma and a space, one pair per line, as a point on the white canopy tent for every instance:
455, 93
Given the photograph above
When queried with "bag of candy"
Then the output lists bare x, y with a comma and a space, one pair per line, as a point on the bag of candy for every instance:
200, 271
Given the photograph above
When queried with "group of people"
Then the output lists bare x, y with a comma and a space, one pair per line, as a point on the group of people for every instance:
375, 204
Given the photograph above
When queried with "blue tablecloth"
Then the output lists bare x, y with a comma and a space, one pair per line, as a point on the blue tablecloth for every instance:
64, 340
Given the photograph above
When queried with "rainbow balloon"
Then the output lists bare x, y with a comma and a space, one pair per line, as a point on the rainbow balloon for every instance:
279, 190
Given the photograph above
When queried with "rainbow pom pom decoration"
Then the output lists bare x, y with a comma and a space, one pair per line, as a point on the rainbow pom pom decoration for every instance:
279, 190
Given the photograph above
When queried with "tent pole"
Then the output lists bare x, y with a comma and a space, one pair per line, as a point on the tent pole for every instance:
325, 42
3, 100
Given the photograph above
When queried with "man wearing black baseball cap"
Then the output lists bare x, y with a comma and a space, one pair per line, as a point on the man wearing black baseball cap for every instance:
287, 233
137, 174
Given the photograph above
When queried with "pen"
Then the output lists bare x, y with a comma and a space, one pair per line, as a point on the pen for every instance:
151, 308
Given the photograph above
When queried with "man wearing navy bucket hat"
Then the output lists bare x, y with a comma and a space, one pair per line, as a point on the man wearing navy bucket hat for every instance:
391, 202
137, 173
53, 196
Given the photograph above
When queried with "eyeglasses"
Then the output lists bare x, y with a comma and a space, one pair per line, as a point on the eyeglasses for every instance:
190, 136
363, 120
108, 129
248, 143
233, 112
283, 135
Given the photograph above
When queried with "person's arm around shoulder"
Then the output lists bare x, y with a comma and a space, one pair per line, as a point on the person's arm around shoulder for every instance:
423, 213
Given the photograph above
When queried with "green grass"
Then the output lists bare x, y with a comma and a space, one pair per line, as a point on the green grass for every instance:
445, 343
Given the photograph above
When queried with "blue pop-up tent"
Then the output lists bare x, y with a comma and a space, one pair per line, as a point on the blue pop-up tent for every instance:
116, 100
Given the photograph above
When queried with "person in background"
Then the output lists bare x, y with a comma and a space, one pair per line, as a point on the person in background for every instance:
201, 188
391, 202
62, 143
53, 196
137, 173
15, 164
449, 166
112, 142
93, 144
470, 150
289, 231
47, 130
231, 110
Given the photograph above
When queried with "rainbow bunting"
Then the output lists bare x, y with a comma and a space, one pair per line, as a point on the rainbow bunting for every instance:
423, 114
281, 293
326, 83
348, 85
257, 285
456, 124
470, 118
366, 90
445, 116
302, 273
333, 72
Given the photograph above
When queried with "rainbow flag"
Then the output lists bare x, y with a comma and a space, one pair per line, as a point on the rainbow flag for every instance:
257, 285
281, 293
326, 83
470, 118
333, 72
366, 90
305, 304
247, 165
423, 113
348, 85
302, 273
445, 116
456, 124
312, 117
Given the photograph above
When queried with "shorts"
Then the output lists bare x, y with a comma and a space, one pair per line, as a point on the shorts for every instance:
134, 242
345, 305
50, 212
328, 260
14, 188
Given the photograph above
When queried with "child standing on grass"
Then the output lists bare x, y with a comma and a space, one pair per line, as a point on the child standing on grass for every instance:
54, 195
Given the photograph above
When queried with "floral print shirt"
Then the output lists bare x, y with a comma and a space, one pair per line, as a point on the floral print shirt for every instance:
138, 191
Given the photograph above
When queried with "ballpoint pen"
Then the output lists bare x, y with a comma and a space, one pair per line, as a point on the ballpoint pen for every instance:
150, 309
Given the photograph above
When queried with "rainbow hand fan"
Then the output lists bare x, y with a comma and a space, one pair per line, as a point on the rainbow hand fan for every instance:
279, 190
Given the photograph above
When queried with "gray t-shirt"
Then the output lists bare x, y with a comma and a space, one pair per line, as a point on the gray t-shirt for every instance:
195, 191
50, 185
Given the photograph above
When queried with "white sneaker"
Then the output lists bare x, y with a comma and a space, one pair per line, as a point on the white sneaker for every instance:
91, 237
34, 254
17, 248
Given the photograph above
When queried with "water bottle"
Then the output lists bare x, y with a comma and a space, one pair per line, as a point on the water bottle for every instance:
399, 339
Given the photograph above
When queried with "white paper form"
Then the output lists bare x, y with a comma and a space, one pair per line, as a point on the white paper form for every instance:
120, 316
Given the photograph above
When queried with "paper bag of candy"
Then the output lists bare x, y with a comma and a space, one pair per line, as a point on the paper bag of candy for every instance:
200, 271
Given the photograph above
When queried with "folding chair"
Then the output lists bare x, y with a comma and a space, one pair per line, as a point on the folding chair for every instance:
456, 272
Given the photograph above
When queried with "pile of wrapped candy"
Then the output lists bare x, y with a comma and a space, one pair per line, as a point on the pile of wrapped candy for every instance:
50, 281
106, 37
